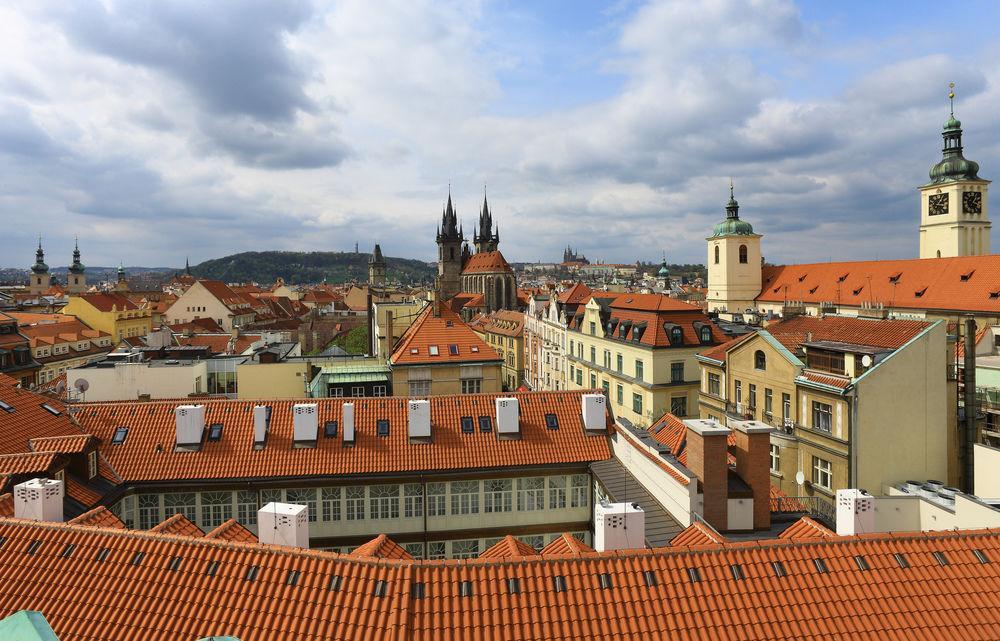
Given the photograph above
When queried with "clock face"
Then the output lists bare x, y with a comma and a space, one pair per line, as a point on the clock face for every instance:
937, 204
972, 202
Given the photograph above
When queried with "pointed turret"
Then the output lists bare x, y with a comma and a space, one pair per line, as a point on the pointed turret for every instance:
485, 239
187, 265
76, 267
40, 267
376, 267
76, 281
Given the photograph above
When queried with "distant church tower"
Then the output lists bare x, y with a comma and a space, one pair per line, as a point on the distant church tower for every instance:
449, 240
122, 284
734, 262
76, 281
954, 216
484, 238
40, 277
376, 268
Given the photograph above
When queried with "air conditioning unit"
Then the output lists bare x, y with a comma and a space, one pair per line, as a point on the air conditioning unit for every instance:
261, 424
283, 524
348, 420
190, 424
594, 412
419, 419
619, 526
39, 500
305, 422
508, 416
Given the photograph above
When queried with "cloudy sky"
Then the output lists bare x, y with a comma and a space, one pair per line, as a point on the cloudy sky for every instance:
157, 130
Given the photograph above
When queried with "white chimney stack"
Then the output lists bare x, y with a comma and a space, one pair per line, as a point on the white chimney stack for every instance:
419, 419
260, 424
855, 512
305, 422
348, 421
283, 524
594, 416
508, 417
39, 500
619, 526
190, 424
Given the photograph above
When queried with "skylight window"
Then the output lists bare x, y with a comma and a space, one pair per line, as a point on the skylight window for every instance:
213, 567
559, 583
467, 425
293, 577
251, 574
7, 407
737, 571
552, 421
102, 554
485, 423
901, 560
453, 349
820, 565
981, 556
604, 581
138, 557
862, 563
649, 578
432, 350
33, 546
380, 588
513, 586
68, 550
940, 558
330, 429
119, 437
475, 348
382, 427
51, 410
465, 588
779, 569
215, 431
414, 350
694, 575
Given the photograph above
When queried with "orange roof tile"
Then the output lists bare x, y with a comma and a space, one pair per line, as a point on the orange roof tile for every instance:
807, 528
566, 545
74, 444
224, 294
29, 419
871, 332
781, 502
697, 534
231, 530
508, 547
29, 463
504, 322
718, 353
430, 333
575, 295
381, 547
82, 494
652, 303
964, 283
152, 427
486, 263
178, 524
6, 503
106, 301
98, 517
840, 382
655, 315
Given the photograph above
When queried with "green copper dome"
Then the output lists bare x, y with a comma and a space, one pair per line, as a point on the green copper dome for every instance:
953, 166
664, 272
732, 225
952, 123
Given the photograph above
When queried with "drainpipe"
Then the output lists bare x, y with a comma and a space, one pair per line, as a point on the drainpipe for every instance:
969, 380
852, 450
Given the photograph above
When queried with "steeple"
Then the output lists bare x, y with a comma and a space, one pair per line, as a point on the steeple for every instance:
732, 225
953, 165
449, 221
376, 267
76, 267
121, 271
187, 265
485, 239
40, 267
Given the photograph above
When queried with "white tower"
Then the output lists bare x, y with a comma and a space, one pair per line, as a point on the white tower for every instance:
734, 262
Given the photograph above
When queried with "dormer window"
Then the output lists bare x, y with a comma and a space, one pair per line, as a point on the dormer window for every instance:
676, 336
706, 334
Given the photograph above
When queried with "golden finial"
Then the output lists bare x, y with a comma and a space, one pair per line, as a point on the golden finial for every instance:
951, 96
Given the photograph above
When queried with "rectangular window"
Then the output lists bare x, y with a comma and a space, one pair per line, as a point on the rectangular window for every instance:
436, 499
306, 497
579, 377
638, 370
383, 501
593, 381
678, 405
822, 473
786, 407
246, 507
579, 490
378, 390
607, 359
465, 497
739, 391
436, 550
357, 390
416, 550
753, 397
619, 362
472, 385
497, 495
216, 507
420, 388
531, 494
825, 360
714, 385
330, 498
593, 355
355, 503
413, 500
677, 372
775, 458
149, 511
557, 492
822, 416
593, 329
768, 402
620, 394
637, 403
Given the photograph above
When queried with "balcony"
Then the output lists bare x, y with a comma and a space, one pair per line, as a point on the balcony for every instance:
743, 412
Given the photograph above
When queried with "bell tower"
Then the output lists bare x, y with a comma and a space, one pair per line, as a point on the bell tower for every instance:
449, 240
954, 213
41, 280
734, 262
376, 268
76, 281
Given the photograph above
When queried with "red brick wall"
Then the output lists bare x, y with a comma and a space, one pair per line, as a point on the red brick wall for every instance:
706, 457
753, 464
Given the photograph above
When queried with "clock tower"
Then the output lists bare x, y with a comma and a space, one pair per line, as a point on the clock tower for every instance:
734, 263
954, 217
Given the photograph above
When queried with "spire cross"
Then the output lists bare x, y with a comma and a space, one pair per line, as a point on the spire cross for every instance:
951, 96
731, 187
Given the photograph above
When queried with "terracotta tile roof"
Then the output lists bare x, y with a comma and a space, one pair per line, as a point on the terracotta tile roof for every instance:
671, 431
504, 322
81, 493
652, 316
29, 463
441, 332
231, 530
981, 333
871, 332
225, 295
381, 547
933, 283
486, 263
652, 303
178, 524
781, 502
693, 594
567, 545
697, 534
98, 517
106, 301
29, 420
508, 547
833, 381
74, 444
807, 528
575, 295
718, 353
460, 300
660, 463
152, 424
6, 503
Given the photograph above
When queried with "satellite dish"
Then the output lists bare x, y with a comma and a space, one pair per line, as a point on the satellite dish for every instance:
60, 387
81, 384
866, 360
800, 478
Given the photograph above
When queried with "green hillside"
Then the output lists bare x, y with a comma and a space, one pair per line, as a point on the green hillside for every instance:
308, 267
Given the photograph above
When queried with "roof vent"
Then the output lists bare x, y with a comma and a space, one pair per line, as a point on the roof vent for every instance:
508, 417
619, 526
305, 423
39, 500
594, 412
348, 420
855, 512
261, 424
284, 524
190, 424
419, 419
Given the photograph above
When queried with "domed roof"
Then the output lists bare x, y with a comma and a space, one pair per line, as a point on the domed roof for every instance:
954, 168
733, 227
664, 272
952, 123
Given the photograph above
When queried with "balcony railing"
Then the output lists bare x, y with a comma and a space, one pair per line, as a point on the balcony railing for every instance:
818, 507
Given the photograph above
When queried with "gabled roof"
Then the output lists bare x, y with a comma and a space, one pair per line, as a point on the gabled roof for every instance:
440, 333
871, 332
508, 547
381, 547
486, 263
29, 419
652, 303
100, 516
697, 534
575, 295
225, 295
567, 545
106, 301
807, 528
29, 463
962, 283
178, 524
231, 530
73, 444
718, 353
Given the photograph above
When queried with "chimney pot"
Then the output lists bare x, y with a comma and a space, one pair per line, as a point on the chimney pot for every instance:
419, 419
39, 500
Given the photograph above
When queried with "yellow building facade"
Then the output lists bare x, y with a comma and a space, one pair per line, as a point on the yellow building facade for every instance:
503, 330
111, 313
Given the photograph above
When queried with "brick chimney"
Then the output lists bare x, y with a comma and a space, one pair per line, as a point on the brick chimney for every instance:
753, 465
706, 457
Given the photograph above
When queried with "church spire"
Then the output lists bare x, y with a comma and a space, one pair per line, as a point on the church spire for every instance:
187, 265
76, 267
485, 238
732, 207
40, 267
953, 166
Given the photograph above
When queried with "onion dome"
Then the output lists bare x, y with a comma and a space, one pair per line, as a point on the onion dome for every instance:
953, 165
76, 267
732, 225
40, 267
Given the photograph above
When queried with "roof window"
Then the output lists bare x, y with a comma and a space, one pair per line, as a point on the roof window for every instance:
51, 410
449, 323
119, 437
513, 586
215, 431
432, 350
803, 277
380, 588
465, 588
382, 427
843, 277
779, 569
552, 421
251, 574
604, 581
335, 582
7, 407
940, 558
966, 276
901, 560
138, 557
920, 292
980, 556
417, 590
694, 575
485, 423
895, 277
995, 294
862, 563
175, 564
559, 583
813, 290
330, 429
293, 577
649, 578
737, 571
414, 350
213, 567
68, 550
33, 546
858, 290
475, 349
453, 349
102, 554
820, 565
468, 426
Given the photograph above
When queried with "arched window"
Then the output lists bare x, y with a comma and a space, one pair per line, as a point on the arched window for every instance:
676, 336
706, 335
743, 253
759, 360
939, 253
716, 254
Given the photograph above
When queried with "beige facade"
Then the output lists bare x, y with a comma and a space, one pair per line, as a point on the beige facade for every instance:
545, 345
132, 381
199, 302
272, 380
734, 274
392, 319
447, 378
